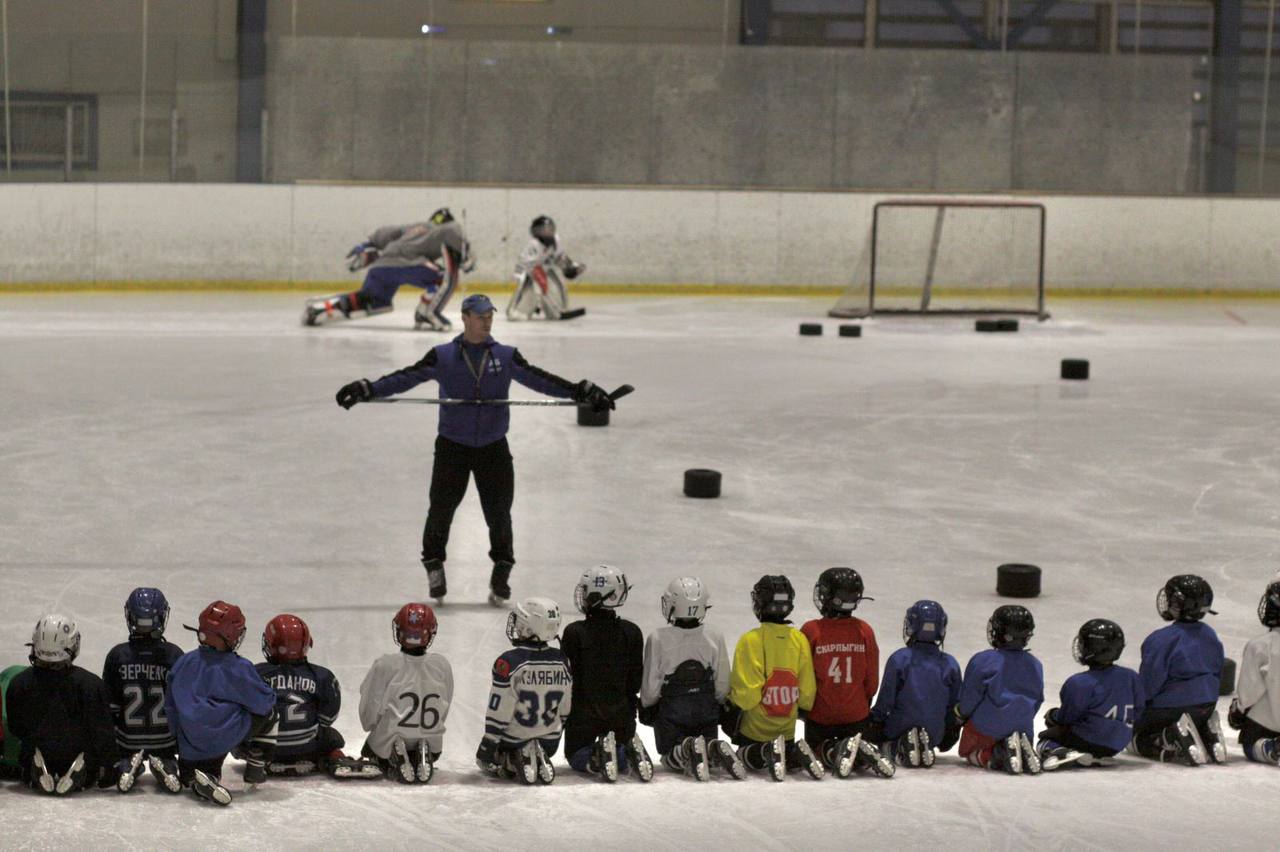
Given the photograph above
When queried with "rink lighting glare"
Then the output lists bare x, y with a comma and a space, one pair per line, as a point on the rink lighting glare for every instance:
429, 29
555, 30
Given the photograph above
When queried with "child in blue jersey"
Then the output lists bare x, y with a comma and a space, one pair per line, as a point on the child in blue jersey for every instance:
135, 673
217, 702
1181, 675
1095, 720
1002, 690
531, 697
921, 683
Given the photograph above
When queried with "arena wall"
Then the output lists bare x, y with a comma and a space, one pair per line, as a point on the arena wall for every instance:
229, 236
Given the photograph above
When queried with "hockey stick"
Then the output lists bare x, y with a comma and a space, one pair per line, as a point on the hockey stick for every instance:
618, 393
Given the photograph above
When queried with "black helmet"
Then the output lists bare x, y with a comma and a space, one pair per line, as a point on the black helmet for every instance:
837, 592
1010, 627
1186, 597
1099, 643
543, 229
1269, 606
773, 598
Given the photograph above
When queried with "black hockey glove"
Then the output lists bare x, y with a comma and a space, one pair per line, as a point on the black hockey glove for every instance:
573, 270
1051, 718
873, 732
359, 391
648, 715
1235, 716
593, 395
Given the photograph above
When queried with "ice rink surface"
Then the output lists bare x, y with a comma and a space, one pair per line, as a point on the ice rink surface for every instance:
192, 442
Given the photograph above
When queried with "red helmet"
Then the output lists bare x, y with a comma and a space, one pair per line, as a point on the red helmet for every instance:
221, 626
414, 626
286, 639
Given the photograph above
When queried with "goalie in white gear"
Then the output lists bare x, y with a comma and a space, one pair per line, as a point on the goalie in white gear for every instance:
405, 698
530, 699
539, 283
686, 682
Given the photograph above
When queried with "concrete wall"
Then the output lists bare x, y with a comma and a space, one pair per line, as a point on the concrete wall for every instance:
232, 233
971, 121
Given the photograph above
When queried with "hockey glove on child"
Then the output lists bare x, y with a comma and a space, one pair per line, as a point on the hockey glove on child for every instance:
358, 391
593, 395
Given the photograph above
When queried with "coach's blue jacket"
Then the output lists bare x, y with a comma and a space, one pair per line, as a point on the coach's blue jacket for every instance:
473, 371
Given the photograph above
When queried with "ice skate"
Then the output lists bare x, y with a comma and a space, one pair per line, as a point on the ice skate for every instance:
165, 771
846, 750
546, 769
604, 757
425, 319
907, 749
423, 767
1030, 757
1052, 759
1006, 756
41, 777
207, 788
694, 752
927, 755
437, 587
803, 756
1188, 741
72, 779
638, 758
871, 757
128, 769
728, 759
255, 768
525, 762
1216, 746
499, 584
402, 768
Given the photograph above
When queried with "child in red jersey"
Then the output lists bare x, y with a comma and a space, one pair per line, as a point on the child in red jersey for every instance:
846, 664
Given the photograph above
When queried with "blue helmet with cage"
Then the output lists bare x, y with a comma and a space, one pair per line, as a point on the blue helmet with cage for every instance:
147, 612
926, 621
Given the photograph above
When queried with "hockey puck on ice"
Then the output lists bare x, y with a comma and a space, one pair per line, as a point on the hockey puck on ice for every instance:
588, 416
1014, 580
702, 483
1006, 325
850, 330
1075, 368
811, 329
1228, 683
986, 325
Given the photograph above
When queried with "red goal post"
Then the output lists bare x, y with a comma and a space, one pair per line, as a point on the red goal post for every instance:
952, 256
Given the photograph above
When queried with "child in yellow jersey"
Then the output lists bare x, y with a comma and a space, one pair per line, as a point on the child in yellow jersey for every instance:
772, 680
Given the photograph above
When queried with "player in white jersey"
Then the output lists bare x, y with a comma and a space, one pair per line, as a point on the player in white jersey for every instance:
686, 681
539, 286
1255, 712
530, 699
405, 699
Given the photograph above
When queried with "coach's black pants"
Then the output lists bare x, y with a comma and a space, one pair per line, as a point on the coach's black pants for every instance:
495, 480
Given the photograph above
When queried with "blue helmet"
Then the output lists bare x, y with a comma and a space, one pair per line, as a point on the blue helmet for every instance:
147, 612
926, 621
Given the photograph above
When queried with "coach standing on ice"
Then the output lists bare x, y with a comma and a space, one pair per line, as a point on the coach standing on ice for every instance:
472, 439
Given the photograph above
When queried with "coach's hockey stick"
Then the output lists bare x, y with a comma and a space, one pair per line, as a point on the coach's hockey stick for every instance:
618, 393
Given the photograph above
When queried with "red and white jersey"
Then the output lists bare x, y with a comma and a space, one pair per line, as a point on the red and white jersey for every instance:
846, 665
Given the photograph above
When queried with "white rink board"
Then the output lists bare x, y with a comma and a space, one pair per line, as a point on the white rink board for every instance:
279, 233
191, 442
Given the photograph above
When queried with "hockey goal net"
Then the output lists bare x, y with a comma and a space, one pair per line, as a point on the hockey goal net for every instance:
952, 256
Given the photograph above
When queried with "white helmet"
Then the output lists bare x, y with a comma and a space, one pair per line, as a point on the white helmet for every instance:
602, 586
685, 598
534, 619
55, 642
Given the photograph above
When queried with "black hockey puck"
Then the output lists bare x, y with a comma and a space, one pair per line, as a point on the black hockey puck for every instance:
1014, 580
702, 483
1006, 325
850, 330
1228, 683
588, 416
1075, 368
810, 329
987, 325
